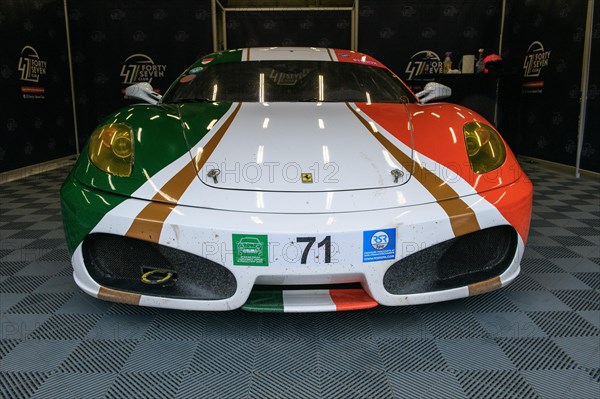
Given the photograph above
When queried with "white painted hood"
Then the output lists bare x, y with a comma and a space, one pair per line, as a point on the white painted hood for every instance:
271, 147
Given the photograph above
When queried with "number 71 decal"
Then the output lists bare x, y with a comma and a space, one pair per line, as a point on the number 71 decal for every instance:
326, 242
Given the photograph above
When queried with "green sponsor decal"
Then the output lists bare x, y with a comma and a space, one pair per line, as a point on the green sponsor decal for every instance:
250, 250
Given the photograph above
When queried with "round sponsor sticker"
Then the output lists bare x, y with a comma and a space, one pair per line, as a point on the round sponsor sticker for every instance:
380, 240
207, 60
187, 78
195, 70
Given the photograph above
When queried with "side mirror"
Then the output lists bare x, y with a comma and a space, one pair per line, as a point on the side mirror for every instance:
143, 91
434, 91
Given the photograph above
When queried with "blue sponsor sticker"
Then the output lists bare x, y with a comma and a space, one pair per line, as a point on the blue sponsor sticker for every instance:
379, 245
195, 70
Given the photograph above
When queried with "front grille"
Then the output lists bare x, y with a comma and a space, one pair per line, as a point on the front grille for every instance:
454, 263
119, 263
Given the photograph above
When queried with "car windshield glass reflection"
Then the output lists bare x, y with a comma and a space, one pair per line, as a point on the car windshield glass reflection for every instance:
289, 81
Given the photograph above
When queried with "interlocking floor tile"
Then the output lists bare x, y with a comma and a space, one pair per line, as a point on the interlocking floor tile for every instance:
144, 385
536, 300
495, 384
348, 356
227, 356
453, 325
523, 283
425, 384
585, 351
585, 299
6, 345
40, 268
290, 356
398, 326
564, 324
11, 268
539, 266
558, 281
411, 355
215, 385
98, 356
37, 355
66, 327
9, 300
580, 265
291, 385
75, 386
177, 326
120, 327
40, 303
495, 301
82, 303
297, 326
509, 325
592, 316
58, 284
20, 384
355, 385
474, 354
228, 325
562, 383
535, 354
22, 284
342, 326
20, 326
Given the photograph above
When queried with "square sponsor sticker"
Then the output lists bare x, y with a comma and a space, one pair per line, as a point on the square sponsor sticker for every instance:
379, 245
250, 249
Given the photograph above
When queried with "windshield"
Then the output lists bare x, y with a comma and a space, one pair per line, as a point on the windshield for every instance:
289, 81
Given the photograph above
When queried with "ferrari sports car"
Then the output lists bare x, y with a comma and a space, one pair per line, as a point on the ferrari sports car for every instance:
294, 180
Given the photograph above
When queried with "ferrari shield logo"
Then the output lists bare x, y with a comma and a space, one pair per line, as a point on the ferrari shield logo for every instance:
307, 178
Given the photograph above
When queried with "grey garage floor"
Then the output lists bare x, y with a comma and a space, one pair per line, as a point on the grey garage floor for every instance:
539, 337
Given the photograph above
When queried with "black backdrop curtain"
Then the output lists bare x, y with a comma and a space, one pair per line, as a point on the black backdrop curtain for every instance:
289, 28
120, 42
35, 117
543, 44
590, 154
397, 31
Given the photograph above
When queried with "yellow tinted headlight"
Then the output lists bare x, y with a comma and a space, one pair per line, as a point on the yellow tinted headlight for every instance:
111, 149
485, 148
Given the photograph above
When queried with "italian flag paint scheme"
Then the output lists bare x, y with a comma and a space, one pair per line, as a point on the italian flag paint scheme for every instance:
302, 301
258, 219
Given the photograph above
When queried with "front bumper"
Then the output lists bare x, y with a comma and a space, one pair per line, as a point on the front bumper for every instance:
212, 234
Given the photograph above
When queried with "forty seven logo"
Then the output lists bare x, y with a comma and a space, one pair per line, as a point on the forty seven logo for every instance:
418, 64
30, 65
536, 59
141, 68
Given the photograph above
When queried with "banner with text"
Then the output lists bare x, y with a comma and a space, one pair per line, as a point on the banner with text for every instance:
117, 43
404, 33
36, 117
543, 44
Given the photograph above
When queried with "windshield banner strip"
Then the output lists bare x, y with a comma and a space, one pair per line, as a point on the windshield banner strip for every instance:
462, 217
149, 222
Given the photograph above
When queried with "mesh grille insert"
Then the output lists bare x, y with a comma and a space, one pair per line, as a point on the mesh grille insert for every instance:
120, 262
454, 263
